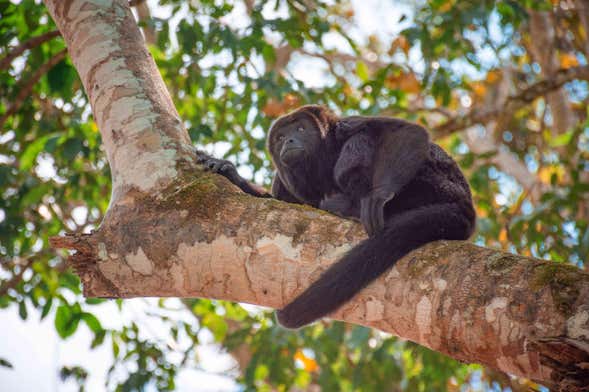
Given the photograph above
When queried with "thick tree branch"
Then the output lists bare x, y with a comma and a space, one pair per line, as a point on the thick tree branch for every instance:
474, 304
172, 230
29, 44
145, 140
26, 86
513, 103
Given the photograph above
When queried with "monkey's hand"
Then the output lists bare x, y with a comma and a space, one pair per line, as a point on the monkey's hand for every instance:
219, 166
340, 205
372, 210
228, 170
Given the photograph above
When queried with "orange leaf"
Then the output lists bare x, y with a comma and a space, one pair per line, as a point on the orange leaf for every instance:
399, 43
406, 82
479, 89
447, 6
276, 108
309, 364
568, 60
493, 76
503, 236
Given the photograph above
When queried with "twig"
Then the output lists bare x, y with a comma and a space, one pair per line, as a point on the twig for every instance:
27, 85
583, 11
513, 103
29, 44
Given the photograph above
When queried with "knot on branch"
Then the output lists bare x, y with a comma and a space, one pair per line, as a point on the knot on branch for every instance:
567, 358
83, 261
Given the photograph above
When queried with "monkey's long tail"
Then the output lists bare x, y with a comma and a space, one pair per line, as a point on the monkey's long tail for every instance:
373, 256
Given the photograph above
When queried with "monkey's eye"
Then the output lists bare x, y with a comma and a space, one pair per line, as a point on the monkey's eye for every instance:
280, 138
301, 129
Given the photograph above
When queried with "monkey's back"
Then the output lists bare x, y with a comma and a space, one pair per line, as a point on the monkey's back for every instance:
438, 181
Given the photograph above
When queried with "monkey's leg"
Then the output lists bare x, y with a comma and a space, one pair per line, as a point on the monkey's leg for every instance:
372, 257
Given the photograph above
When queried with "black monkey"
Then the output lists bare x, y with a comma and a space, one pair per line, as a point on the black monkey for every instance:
385, 172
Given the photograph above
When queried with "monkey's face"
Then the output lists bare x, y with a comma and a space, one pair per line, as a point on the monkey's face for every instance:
293, 143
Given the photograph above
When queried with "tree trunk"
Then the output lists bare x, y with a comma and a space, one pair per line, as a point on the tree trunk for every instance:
172, 230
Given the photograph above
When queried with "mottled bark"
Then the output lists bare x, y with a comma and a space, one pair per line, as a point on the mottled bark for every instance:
172, 230
145, 141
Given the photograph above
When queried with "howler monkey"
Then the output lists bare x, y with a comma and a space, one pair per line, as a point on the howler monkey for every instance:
404, 189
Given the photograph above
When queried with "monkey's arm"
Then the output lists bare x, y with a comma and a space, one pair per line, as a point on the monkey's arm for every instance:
400, 154
228, 170
379, 158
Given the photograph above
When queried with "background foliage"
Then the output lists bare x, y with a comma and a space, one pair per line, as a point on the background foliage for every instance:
458, 67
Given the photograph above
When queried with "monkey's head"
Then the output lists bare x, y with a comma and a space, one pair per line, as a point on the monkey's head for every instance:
300, 137
301, 145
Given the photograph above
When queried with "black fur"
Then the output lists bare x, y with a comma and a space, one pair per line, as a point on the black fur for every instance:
385, 172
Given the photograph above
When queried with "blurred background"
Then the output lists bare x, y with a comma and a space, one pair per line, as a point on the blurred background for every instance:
501, 85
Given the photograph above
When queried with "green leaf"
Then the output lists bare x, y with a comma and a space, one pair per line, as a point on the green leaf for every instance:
561, 140
362, 71
92, 322
66, 321
216, 324
71, 148
94, 301
22, 310
115, 348
5, 363
27, 159
98, 339
46, 308
61, 79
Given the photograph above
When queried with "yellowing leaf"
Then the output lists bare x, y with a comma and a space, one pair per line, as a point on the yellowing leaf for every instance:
546, 173
362, 71
568, 60
479, 89
447, 6
503, 236
406, 82
399, 43
482, 213
276, 108
309, 364
493, 76
348, 90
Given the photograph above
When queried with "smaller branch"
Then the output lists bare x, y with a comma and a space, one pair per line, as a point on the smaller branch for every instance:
583, 10
78, 241
513, 103
330, 57
29, 44
144, 16
27, 85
